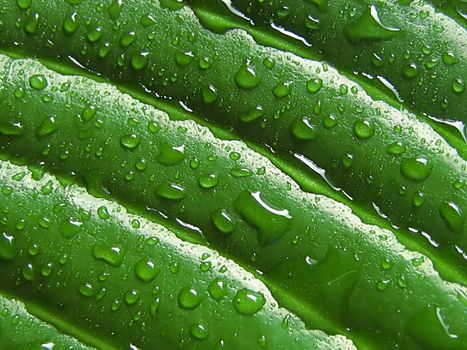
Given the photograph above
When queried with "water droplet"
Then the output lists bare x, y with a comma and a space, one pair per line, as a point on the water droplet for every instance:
130, 141
396, 148
127, 39
146, 270
248, 302
410, 71
38, 82
86, 290
24, 4
111, 255
382, 285
253, 114
217, 289
449, 58
223, 221
31, 24
209, 94
204, 63
154, 307
70, 227
303, 129
139, 60
368, 27
314, 85
94, 34
363, 129
208, 181
452, 215
272, 223
48, 126
189, 298
282, 90
418, 199
88, 113
246, 77
103, 213
199, 331
329, 121
171, 155
458, 85
269, 63
347, 160
183, 59
147, 20
7, 247
70, 25
312, 23
115, 9
132, 296
170, 191
415, 169
28, 272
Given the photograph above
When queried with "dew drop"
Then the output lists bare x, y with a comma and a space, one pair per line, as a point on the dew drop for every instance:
246, 77
146, 270
170, 191
199, 331
415, 169
132, 296
363, 129
314, 85
282, 90
38, 82
217, 289
111, 255
171, 155
130, 141
86, 290
303, 129
189, 298
208, 181
248, 302
452, 216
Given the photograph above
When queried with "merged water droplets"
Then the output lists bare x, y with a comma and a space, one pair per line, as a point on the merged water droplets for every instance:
271, 222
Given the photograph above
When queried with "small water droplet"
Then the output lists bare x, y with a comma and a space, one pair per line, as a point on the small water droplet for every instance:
127, 39
115, 9
410, 71
458, 85
70, 227
139, 60
32, 23
208, 181
223, 222
183, 59
132, 296
314, 85
24, 4
94, 34
86, 290
396, 148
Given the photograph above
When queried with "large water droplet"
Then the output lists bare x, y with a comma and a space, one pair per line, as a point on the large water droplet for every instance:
146, 270
272, 223
171, 155
199, 331
171, 191
363, 129
48, 126
7, 247
368, 27
130, 141
248, 302
111, 255
415, 169
246, 77
189, 298
38, 82
452, 215
303, 129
